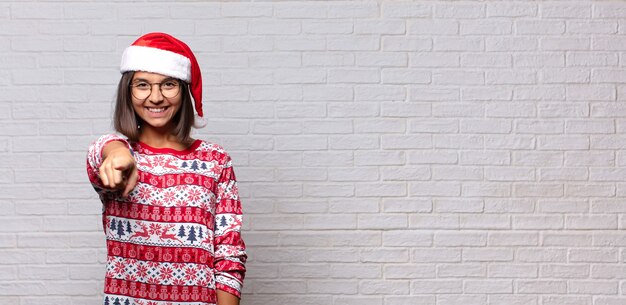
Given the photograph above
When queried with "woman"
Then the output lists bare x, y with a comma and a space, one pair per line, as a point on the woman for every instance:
171, 209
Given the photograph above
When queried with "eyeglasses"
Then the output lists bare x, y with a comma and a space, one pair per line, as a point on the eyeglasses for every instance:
141, 90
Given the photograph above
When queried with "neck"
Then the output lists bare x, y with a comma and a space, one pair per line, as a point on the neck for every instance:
158, 137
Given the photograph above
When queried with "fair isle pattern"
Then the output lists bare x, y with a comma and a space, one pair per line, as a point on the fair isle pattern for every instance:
163, 273
177, 236
174, 196
159, 234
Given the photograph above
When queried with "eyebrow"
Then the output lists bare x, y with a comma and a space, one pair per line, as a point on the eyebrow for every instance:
145, 80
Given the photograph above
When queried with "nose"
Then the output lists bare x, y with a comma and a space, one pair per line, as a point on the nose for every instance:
155, 94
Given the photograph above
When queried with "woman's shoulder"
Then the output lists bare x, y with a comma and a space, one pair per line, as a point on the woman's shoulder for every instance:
212, 148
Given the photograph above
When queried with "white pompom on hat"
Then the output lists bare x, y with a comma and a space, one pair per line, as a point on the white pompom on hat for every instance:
162, 53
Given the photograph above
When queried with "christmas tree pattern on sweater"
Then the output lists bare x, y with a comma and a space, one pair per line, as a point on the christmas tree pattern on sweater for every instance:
177, 236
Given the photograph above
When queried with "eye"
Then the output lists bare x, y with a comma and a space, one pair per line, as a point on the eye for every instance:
170, 84
142, 85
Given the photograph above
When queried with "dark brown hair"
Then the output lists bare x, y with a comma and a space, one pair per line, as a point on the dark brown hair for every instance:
127, 122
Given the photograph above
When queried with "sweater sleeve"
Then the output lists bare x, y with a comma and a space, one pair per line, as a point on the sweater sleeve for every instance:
94, 160
230, 250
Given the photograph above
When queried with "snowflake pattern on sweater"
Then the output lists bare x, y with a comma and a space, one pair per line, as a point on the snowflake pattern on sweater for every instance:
176, 238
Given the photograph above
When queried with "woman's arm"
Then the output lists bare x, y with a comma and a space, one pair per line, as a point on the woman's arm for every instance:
110, 165
225, 298
230, 250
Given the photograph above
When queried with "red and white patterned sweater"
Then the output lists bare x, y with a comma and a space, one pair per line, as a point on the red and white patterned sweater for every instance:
177, 237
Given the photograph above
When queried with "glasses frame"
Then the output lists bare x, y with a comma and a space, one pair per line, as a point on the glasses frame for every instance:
133, 86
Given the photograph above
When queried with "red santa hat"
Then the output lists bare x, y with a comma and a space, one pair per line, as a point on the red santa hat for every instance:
162, 53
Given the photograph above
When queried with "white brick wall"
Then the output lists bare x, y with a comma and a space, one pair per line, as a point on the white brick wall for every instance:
388, 153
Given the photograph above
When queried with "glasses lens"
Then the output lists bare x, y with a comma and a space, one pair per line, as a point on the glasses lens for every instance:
170, 88
140, 90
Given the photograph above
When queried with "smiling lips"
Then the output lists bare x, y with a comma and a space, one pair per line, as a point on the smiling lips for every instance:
156, 110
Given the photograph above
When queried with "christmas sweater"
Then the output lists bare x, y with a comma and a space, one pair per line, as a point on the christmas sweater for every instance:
176, 237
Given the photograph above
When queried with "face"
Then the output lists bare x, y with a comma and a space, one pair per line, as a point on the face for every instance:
155, 107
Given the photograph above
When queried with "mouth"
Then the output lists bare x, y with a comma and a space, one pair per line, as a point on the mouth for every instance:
156, 110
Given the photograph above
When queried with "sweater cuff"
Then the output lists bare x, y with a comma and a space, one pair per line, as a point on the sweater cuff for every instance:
228, 284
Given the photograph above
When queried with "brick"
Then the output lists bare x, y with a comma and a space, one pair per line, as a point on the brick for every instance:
280, 286
434, 221
73, 256
356, 10
291, 143
271, 255
384, 255
459, 11
288, 299
86, 272
359, 270
488, 286
511, 44
457, 110
317, 27
561, 44
458, 205
434, 189
488, 255
404, 205
486, 94
465, 270
382, 221
564, 271
602, 300
330, 221
304, 271
513, 239
593, 255
436, 286
566, 300
333, 255
400, 300
567, 239
541, 255
33, 272
508, 270
410, 238
392, 287
541, 27
558, 10
405, 173
509, 174
562, 206
360, 43
486, 27
432, 27
432, 157
538, 60
607, 271
435, 59
458, 77
348, 110
540, 286
391, 44
389, 27
358, 300
479, 126
538, 222
332, 287
508, 142
275, 222
468, 239
487, 189
29, 288
398, 109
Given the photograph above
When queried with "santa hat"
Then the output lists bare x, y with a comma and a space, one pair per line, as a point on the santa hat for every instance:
162, 53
